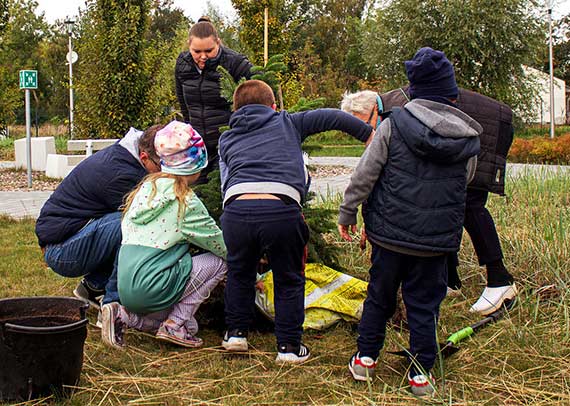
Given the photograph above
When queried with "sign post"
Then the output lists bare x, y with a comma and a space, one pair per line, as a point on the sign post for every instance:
28, 80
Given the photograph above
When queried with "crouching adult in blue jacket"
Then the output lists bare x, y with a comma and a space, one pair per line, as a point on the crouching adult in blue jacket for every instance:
79, 227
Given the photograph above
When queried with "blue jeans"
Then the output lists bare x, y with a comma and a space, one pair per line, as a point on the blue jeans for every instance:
92, 253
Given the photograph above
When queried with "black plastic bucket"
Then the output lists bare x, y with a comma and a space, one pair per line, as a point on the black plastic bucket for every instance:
41, 346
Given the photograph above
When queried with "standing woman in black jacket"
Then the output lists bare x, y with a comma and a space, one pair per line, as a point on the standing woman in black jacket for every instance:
198, 85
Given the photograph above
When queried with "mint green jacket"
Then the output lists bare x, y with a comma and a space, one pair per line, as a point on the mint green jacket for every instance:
154, 262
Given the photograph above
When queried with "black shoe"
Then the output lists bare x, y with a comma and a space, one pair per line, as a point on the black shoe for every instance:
92, 296
292, 354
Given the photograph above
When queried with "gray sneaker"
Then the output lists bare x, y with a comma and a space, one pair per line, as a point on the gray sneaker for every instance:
113, 328
362, 368
86, 293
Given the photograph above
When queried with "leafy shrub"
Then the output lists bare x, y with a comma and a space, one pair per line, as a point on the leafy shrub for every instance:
541, 150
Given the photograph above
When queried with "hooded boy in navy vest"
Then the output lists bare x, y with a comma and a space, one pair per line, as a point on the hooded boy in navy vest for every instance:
412, 178
263, 182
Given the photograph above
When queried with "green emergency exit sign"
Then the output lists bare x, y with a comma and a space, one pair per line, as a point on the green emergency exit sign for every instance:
28, 79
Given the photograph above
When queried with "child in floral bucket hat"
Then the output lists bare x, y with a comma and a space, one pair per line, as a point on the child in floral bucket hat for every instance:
160, 284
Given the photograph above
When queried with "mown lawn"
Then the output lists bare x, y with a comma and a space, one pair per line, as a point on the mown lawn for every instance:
524, 359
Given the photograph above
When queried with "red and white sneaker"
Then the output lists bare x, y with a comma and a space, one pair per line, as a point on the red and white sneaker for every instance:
362, 368
422, 385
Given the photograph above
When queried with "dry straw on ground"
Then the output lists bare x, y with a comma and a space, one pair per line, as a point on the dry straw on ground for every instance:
524, 359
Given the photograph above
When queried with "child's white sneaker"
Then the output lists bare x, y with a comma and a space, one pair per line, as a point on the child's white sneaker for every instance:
291, 354
235, 340
492, 299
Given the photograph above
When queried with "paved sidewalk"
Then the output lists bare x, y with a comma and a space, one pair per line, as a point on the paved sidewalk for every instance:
29, 204
334, 186
22, 204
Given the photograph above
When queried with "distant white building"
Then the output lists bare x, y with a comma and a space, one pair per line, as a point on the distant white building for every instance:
541, 112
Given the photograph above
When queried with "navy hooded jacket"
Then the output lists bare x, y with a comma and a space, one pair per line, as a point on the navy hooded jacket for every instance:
262, 151
94, 188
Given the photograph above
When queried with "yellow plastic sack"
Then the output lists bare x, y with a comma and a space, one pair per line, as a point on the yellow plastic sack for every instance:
330, 296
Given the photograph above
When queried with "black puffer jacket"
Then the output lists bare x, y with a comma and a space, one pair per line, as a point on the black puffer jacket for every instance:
199, 94
496, 119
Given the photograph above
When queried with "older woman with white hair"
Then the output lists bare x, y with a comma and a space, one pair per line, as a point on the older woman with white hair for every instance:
365, 105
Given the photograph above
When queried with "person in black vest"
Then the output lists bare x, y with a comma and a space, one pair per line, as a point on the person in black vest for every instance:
198, 85
496, 139
413, 177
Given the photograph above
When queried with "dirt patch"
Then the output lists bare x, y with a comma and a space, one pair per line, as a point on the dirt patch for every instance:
16, 180
329, 171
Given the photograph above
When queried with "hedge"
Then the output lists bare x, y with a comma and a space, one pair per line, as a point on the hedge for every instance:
541, 150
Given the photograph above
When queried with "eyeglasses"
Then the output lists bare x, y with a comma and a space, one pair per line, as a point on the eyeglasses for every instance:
154, 162
370, 116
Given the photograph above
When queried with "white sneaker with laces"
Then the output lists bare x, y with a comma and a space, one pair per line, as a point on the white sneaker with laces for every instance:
492, 299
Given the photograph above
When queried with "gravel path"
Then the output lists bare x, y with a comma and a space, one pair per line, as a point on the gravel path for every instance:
330, 176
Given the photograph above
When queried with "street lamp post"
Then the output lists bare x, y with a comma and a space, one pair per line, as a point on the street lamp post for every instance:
550, 4
69, 24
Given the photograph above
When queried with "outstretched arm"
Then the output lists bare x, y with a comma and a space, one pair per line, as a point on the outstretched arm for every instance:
316, 121
363, 180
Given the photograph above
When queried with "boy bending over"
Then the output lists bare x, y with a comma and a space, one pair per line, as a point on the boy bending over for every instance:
263, 184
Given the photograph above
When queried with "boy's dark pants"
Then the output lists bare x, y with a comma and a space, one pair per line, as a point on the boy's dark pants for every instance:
424, 286
252, 228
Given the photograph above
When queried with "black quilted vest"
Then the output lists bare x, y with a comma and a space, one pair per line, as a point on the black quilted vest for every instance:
199, 93
419, 200
495, 117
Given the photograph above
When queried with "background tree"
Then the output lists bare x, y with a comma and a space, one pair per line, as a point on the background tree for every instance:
328, 64
252, 27
21, 32
488, 41
53, 69
113, 77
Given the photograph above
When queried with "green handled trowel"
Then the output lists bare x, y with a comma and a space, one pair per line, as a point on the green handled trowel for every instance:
450, 347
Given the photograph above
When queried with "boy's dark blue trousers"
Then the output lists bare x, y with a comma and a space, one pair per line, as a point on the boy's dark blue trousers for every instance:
252, 228
424, 286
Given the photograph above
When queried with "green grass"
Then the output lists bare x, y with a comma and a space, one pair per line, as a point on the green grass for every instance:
7, 147
541, 131
524, 359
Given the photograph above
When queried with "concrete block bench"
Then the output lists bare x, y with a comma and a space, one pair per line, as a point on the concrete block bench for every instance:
41, 148
89, 146
58, 166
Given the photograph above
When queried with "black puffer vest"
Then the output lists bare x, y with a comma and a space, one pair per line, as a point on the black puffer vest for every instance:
199, 93
495, 117
425, 173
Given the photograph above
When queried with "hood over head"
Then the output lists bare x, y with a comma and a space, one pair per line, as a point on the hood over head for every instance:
439, 132
131, 143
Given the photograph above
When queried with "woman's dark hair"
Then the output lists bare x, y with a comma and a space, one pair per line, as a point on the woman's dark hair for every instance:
203, 29
204, 18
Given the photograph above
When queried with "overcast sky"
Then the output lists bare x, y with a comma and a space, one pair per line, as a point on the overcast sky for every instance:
59, 9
